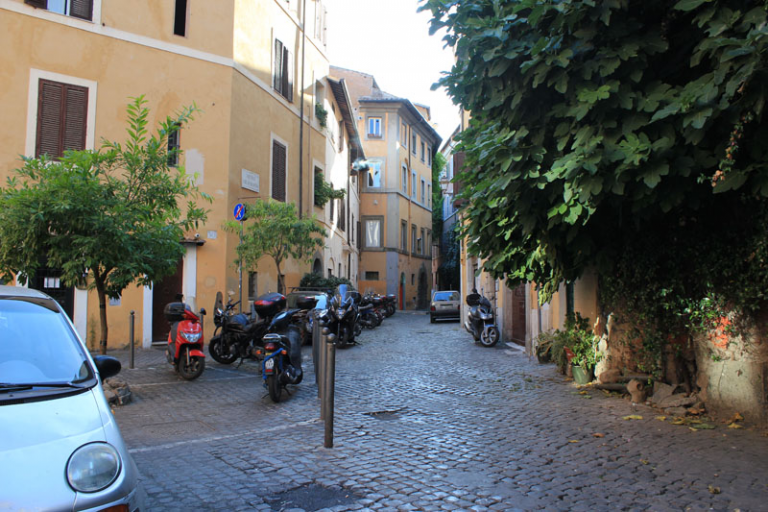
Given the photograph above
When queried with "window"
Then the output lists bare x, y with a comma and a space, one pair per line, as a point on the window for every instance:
429, 195
428, 243
404, 135
279, 154
413, 184
339, 274
359, 235
352, 230
404, 235
422, 239
282, 72
342, 215
253, 288
333, 206
318, 177
180, 19
429, 155
423, 190
374, 127
371, 276
173, 146
413, 279
82, 9
413, 238
422, 151
61, 118
405, 180
373, 233
341, 136
374, 175
413, 143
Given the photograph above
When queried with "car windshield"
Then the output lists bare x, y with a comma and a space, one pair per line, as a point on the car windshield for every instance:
441, 296
37, 345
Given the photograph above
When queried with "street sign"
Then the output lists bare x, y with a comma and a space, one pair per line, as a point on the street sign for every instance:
239, 211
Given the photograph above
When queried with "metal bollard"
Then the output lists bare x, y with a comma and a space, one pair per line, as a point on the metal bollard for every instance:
330, 385
131, 331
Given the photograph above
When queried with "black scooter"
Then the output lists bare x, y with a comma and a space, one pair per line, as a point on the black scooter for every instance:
481, 321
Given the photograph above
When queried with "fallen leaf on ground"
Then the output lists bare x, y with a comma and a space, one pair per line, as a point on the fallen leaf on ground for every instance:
632, 417
573, 441
734, 425
646, 462
598, 434
661, 418
702, 426
713, 489
678, 421
736, 417
583, 392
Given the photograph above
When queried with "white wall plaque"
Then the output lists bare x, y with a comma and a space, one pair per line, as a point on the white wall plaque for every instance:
250, 180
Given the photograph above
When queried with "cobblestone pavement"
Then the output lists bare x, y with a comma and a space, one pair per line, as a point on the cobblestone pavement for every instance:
425, 420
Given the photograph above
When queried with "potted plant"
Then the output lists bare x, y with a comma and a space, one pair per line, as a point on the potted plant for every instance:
585, 354
321, 114
544, 343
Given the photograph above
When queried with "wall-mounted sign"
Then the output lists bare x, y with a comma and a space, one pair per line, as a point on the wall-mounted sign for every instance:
212, 235
249, 180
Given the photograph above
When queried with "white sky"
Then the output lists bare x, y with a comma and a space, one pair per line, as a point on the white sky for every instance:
390, 40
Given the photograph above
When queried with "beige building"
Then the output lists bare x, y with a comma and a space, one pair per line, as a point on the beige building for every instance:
396, 191
68, 71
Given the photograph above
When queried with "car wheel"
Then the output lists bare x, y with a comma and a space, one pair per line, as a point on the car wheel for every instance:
431, 319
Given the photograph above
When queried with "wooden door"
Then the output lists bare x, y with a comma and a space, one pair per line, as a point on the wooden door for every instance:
518, 315
163, 292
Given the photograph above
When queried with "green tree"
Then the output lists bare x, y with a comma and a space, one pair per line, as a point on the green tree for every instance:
438, 166
598, 123
116, 214
273, 228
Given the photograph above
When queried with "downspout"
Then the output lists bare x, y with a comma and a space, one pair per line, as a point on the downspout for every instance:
301, 109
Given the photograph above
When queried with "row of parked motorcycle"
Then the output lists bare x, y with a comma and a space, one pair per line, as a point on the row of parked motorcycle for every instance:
272, 334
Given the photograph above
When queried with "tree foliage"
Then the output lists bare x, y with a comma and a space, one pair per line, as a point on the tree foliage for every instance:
274, 229
595, 124
116, 214
438, 166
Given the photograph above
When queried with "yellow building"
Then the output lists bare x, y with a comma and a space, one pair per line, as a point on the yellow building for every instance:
247, 64
396, 193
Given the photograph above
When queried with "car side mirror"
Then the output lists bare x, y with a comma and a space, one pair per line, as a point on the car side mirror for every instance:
107, 366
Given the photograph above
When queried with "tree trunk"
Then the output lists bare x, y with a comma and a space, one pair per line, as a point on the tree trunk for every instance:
102, 312
280, 283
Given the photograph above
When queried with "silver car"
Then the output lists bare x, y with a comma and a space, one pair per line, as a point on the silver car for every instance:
60, 448
445, 304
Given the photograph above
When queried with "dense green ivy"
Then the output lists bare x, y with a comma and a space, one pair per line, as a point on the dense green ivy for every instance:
601, 128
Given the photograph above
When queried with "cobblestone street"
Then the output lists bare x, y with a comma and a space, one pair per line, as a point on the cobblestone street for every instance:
425, 420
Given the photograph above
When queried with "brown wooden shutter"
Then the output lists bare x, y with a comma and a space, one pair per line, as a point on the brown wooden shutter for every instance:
49, 114
82, 9
75, 113
40, 4
343, 216
278, 171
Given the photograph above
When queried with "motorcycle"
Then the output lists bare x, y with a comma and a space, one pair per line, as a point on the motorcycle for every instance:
367, 311
237, 335
390, 303
282, 355
481, 321
342, 316
185, 341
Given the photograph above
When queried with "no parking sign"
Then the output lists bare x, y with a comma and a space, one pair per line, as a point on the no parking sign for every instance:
239, 211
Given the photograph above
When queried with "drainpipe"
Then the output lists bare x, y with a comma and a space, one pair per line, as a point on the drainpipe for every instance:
301, 109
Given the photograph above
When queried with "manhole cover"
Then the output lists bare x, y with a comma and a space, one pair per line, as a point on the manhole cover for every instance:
312, 497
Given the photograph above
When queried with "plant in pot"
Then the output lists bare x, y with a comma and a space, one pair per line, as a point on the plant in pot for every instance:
585, 354
544, 343
562, 344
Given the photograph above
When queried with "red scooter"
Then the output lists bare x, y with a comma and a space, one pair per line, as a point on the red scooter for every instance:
185, 341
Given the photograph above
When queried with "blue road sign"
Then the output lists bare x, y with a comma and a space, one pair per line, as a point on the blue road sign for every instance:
239, 211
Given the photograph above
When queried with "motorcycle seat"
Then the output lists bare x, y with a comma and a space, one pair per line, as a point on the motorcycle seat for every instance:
365, 308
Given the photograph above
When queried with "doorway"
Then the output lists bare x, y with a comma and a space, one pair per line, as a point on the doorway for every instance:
164, 291
518, 315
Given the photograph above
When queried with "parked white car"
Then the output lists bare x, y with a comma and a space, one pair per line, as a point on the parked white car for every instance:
60, 448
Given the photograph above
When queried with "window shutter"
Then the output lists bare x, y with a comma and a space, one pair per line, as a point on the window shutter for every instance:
277, 77
82, 9
49, 114
40, 4
278, 171
75, 110
288, 72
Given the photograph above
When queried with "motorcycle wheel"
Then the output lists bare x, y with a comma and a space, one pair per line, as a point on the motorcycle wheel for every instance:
221, 352
390, 309
358, 329
192, 370
490, 336
274, 388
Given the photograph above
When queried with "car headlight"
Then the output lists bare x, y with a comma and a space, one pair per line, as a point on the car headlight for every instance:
191, 337
93, 467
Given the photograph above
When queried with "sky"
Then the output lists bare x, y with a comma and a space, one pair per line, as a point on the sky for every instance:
390, 40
